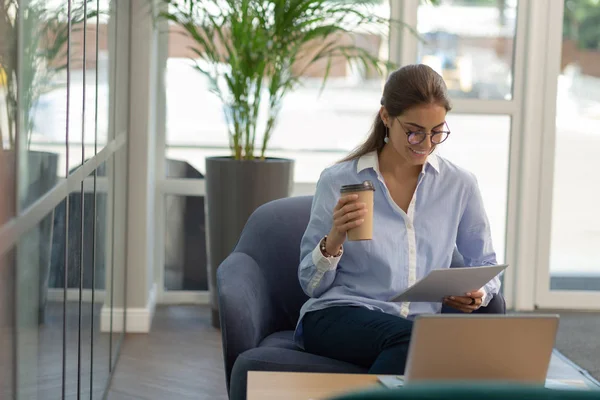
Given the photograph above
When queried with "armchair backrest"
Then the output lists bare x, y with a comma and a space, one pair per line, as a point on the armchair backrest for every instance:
272, 238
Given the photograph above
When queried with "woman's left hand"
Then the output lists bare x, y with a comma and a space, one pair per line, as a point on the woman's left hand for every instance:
469, 303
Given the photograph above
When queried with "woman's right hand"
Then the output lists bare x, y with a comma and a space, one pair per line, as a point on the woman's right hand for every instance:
347, 214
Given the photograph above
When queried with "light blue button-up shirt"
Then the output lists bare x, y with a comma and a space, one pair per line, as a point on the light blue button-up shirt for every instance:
445, 212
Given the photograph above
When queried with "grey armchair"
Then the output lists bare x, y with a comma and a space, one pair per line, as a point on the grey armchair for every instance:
260, 297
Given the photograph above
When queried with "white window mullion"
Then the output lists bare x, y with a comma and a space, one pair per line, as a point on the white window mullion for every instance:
182, 187
529, 136
197, 187
512, 233
185, 297
485, 107
403, 43
160, 155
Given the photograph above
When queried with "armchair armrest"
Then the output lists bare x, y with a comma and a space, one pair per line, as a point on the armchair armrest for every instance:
247, 314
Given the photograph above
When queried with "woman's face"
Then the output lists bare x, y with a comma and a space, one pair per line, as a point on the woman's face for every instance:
429, 119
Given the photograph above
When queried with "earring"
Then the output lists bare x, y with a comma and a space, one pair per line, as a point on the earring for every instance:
386, 139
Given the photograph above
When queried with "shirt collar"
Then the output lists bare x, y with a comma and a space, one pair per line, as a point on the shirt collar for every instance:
434, 161
371, 160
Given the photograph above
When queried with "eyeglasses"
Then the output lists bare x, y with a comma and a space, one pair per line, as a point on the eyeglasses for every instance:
417, 137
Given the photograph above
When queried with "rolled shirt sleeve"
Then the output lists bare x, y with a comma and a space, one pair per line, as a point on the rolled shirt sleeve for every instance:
317, 272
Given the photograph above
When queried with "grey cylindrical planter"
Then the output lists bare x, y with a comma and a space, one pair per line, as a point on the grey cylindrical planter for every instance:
234, 189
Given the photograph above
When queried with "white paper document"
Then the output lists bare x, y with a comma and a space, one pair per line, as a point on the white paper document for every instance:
391, 381
441, 283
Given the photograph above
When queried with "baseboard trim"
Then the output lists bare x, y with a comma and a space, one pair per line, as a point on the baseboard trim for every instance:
138, 319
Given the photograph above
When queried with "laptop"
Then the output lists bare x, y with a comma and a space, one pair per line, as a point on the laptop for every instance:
463, 347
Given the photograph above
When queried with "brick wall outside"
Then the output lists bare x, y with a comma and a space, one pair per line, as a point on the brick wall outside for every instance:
179, 46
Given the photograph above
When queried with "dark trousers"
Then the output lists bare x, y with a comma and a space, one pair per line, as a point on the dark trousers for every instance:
371, 339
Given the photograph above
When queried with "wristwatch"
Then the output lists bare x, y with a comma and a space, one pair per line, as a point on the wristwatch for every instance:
323, 246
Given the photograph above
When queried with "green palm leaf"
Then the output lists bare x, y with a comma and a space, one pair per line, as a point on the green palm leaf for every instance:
256, 51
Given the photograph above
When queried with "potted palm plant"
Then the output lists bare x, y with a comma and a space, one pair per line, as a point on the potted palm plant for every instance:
253, 53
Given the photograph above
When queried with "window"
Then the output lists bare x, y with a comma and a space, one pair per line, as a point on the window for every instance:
480, 144
575, 245
185, 243
471, 44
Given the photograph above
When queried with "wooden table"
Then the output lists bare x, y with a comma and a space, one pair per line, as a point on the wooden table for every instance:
319, 386
304, 385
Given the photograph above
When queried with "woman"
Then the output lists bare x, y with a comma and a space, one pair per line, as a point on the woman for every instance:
424, 207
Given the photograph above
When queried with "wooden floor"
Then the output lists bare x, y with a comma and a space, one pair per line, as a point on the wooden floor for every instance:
40, 351
182, 358
49, 354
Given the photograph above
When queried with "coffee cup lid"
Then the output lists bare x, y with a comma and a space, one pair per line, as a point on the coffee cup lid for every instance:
366, 185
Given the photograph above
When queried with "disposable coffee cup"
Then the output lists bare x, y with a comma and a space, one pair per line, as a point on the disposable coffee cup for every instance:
365, 193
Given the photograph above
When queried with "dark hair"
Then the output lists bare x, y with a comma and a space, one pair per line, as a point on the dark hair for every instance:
405, 88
